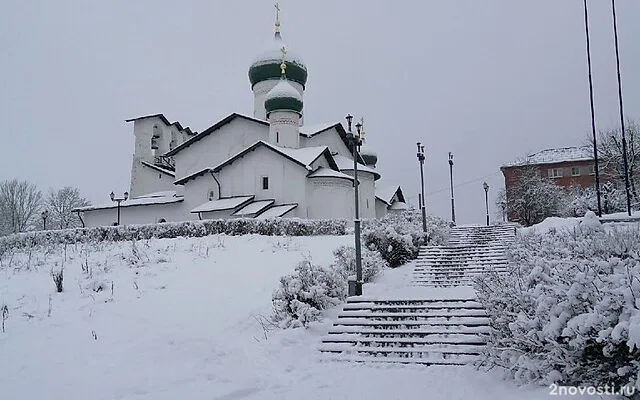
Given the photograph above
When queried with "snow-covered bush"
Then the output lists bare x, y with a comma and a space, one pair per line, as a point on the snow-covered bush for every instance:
345, 262
302, 296
233, 227
399, 235
568, 311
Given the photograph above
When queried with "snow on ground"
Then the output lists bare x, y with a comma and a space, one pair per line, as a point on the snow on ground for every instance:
185, 320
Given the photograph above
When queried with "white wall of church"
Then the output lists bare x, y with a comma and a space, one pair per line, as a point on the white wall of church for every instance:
148, 180
329, 198
284, 129
134, 215
218, 146
286, 179
381, 208
330, 138
366, 193
196, 192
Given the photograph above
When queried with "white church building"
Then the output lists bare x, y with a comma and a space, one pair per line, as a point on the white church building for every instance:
261, 166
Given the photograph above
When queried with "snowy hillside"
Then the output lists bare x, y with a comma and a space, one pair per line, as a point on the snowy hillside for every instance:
183, 318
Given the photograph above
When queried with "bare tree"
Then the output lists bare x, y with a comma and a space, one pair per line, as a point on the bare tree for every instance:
20, 202
60, 203
534, 198
611, 160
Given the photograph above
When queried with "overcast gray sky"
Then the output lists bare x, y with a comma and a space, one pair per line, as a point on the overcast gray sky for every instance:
488, 80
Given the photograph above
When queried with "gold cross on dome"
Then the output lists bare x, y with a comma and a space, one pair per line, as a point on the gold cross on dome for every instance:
277, 6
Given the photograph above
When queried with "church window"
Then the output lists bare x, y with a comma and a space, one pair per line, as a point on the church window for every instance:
211, 195
367, 203
277, 137
265, 182
159, 176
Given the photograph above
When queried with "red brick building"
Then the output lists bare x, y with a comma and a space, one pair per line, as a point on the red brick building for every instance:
566, 167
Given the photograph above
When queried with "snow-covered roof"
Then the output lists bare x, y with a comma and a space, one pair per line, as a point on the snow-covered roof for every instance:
310, 130
323, 172
283, 89
214, 128
139, 201
386, 193
552, 156
304, 156
277, 211
159, 169
346, 164
166, 193
228, 203
253, 208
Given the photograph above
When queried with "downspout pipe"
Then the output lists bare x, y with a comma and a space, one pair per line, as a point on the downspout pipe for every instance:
81, 220
217, 182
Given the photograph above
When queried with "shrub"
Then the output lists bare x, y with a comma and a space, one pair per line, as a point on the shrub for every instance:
234, 227
568, 311
58, 278
302, 296
399, 236
345, 262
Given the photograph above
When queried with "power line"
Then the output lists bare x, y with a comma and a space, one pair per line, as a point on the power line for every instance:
457, 186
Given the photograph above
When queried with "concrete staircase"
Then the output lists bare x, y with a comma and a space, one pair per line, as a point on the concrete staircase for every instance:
470, 251
440, 322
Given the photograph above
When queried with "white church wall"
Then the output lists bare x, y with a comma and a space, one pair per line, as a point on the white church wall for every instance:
286, 179
219, 146
147, 214
148, 180
284, 129
329, 198
366, 193
330, 138
381, 208
197, 191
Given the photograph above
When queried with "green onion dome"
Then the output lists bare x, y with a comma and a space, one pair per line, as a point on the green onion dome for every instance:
369, 156
267, 65
283, 97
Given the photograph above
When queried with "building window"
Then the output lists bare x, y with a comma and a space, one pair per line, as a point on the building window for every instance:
575, 171
555, 173
265, 182
277, 137
211, 195
367, 203
592, 170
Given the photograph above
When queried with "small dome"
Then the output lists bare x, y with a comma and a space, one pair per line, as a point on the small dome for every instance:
369, 156
284, 97
267, 65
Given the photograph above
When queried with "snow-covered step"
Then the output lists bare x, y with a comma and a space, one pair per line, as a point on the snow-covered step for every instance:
476, 341
436, 306
432, 360
412, 315
429, 349
433, 331
440, 321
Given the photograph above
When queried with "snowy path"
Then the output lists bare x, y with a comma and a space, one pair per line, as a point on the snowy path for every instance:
181, 324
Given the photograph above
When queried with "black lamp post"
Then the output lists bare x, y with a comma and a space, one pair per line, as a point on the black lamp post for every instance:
486, 199
119, 200
45, 215
624, 140
355, 288
593, 118
421, 158
453, 204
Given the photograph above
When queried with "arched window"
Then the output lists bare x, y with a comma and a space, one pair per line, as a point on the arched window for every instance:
211, 195
161, 220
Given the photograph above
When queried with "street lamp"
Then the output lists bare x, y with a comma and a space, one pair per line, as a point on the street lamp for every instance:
421, 157
119, 200
486, 199
593, 118
45, 215
355, 288
624, 140
453, 204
